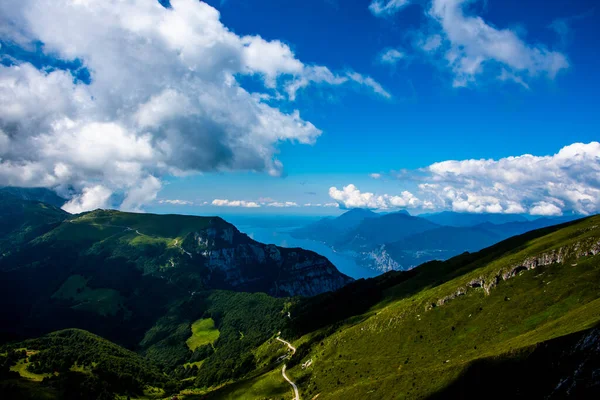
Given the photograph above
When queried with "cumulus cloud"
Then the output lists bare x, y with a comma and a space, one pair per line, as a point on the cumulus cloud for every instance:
177, 202
92, 198
473, 44
163, 98
385, 8
566, 182
569, 179
235, 203
391, 56
474, 49
351, 197
545, 208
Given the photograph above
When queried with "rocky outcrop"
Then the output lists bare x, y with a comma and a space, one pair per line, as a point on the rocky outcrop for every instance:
379, 260
235, 261
587, 248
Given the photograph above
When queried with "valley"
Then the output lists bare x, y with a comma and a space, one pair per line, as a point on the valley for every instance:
191, 308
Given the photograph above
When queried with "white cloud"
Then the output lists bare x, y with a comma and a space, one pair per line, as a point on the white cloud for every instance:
328, 205
545, 208
92, 198
384, 8
235, 203
351, 197
369, 82
177, 202
430, 43
391, 56
163, 98
568, 181
141, 194
282, 204
473, 44
375, 176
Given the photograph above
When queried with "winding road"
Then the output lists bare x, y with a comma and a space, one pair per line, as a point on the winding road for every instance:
293, 349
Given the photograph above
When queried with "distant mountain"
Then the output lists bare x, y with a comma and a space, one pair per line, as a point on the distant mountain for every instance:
351, 219
450, 218
388, 228
516, 228
445, 242
329, 230
42, 195
436, 244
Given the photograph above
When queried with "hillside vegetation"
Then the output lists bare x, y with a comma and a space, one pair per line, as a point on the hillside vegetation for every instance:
520, 319
448, 329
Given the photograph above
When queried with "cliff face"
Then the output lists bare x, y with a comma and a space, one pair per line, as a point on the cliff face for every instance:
233, 259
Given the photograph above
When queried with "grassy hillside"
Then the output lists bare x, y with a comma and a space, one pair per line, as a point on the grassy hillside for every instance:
203, 333
514, 307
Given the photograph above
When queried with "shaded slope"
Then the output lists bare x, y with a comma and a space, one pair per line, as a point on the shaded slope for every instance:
76, 363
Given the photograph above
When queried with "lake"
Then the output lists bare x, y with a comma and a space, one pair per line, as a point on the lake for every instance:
280, 236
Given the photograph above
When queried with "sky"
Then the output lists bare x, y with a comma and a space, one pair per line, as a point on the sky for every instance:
305, 107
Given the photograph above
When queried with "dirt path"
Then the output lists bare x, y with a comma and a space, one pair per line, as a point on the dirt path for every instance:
293, 349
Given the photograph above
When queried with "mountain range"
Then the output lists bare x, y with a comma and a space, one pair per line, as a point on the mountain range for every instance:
399, 241
108, 305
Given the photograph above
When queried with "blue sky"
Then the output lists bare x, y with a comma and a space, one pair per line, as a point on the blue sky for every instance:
524, 83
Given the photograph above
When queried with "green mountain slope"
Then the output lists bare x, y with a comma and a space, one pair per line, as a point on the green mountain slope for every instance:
99, 270
77, 364
447, 328
41, 195
24, 220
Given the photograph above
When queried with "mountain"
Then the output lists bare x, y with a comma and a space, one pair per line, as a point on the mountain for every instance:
450, 218
22, 220
329, 230
516, 228
41, 195
76, 364
388, 228
436, 244
445, 242
116, 273
520, 319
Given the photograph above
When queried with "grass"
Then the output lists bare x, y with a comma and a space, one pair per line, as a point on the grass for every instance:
203, 332
21, 368
197, 364
267, 386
